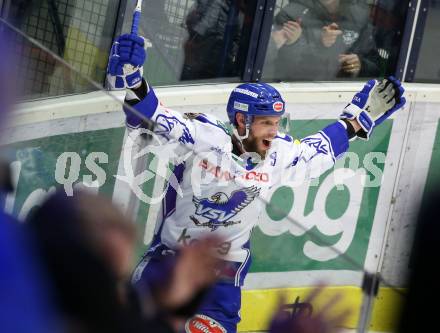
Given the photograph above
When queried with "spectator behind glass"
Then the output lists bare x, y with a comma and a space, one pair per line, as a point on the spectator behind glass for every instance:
388, 18
324, 40
211, 50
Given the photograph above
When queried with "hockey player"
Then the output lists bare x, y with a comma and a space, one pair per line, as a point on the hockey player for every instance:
227, 204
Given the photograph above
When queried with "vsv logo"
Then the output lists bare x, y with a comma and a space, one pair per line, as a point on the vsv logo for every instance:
220, 208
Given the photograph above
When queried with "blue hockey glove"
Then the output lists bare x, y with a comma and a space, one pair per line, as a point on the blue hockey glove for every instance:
374, 103
125, 66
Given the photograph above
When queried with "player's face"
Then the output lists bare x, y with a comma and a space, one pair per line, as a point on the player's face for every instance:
263, 131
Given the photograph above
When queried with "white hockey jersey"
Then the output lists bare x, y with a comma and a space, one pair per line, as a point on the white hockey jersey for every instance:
223, 194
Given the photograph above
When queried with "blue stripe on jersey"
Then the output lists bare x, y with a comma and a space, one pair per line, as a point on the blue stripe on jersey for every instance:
244, 267
169, 202
337, 136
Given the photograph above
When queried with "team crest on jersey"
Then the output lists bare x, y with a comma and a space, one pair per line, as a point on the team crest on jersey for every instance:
220, 208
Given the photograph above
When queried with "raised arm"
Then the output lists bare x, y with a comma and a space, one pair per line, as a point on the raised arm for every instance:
125, 71
376, 102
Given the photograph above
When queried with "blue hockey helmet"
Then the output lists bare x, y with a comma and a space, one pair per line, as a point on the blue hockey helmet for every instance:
254, 99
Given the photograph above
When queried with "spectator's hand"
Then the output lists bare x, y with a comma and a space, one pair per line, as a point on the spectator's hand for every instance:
279, 37
292, 30
350, 63
300, 322
288, 34
329, 34
196, 268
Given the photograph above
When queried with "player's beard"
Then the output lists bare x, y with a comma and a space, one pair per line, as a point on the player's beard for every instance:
251, 145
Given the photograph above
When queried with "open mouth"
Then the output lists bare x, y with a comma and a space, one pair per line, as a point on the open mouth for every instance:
267, 143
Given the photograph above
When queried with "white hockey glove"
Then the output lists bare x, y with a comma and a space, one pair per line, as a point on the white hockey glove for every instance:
125, 66
374, 103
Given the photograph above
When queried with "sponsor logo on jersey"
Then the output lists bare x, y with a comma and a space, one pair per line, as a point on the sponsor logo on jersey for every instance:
186, 239
241, 106
278, 106
226, 175
256, 176
219, 208
246, 92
